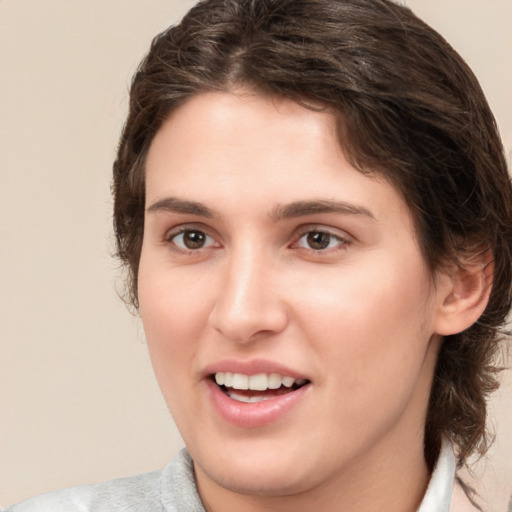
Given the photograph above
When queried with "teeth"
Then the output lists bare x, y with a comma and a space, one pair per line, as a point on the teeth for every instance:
274, 381
248, 399
258, 382
240, 381
228, 379
288, 381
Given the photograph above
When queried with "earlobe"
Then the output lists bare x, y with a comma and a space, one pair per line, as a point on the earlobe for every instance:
464, 294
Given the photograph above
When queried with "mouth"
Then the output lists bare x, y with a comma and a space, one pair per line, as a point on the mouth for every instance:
256, 388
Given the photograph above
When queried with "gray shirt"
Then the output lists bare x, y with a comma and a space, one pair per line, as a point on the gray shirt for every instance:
173, 489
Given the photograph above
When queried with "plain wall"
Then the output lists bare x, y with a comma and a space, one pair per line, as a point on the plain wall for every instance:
78, 402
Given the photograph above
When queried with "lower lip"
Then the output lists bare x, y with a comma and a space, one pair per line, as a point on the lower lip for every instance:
252, 415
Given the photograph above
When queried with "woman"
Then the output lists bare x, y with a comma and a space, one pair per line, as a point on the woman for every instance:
313, 204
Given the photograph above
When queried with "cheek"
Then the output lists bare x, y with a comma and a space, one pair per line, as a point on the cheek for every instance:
171, 302
173, 320
372, 327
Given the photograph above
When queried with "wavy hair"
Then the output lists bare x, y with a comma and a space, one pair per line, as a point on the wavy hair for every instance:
408, 108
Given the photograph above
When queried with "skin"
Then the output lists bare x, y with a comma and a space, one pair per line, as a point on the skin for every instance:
361, 319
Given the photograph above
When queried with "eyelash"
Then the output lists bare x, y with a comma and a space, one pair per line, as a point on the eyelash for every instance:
172, 236
341, 242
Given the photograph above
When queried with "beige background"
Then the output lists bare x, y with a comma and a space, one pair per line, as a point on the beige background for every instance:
78, 401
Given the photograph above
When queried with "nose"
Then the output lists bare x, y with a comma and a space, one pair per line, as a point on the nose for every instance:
248, 303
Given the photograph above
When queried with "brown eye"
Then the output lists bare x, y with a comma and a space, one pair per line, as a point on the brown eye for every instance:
318, 240
192, 239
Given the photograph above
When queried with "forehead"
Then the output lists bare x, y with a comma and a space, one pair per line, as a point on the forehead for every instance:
244, 150
216, 120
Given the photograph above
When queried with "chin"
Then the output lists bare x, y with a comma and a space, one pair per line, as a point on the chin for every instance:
259, 470
260, 481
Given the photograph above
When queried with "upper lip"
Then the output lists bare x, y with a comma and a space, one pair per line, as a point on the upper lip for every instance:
252, 367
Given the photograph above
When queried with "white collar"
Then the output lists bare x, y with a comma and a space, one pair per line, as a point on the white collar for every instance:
439, 491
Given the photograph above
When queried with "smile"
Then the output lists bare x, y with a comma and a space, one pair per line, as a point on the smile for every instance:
256, 388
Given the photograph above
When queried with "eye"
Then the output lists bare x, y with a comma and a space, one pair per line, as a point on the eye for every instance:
318, 240
192, 239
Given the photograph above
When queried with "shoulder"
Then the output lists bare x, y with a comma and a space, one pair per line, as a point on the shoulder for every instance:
172, 489
137, 493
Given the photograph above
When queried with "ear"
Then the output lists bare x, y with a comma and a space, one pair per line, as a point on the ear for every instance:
463, 293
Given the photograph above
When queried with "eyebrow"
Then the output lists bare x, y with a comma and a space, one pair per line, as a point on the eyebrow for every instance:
303, 208
280, 212
175, 205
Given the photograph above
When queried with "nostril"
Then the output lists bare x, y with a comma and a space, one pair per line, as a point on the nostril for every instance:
247, 311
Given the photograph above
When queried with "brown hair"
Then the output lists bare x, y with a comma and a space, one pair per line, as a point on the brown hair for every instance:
409, 108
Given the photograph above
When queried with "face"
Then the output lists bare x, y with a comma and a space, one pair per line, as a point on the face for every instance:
288, 311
